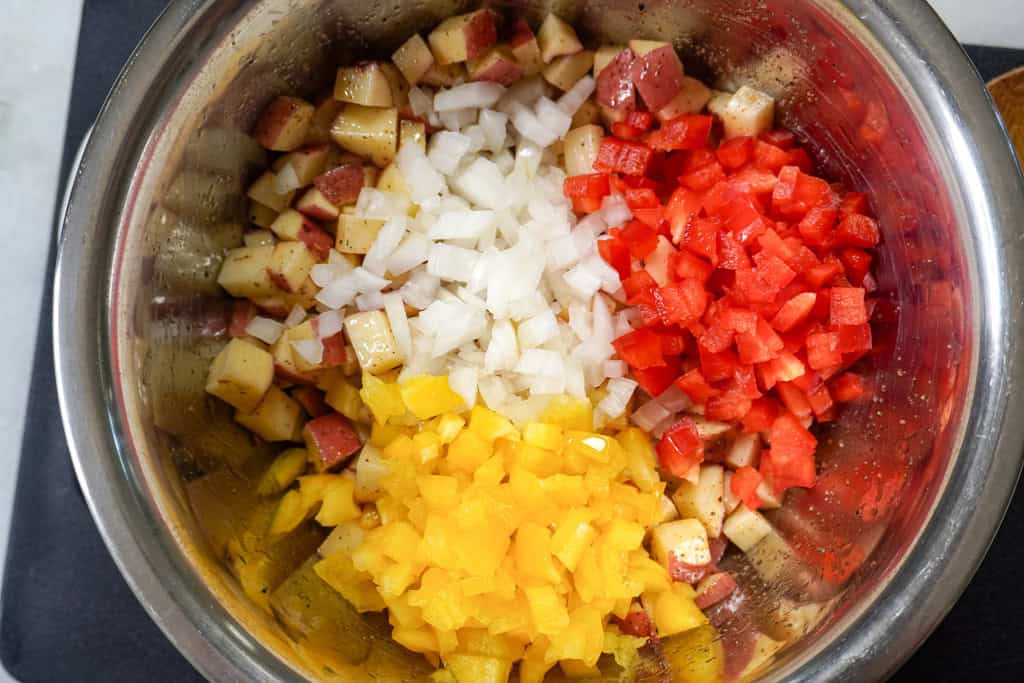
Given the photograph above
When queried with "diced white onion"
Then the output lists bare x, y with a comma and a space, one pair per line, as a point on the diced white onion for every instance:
370, 301
311, 350
413, 163
421, 102
265, 329
388, 239
451, 263
394, 307
329, 324
674, 399
463, 224
419, 291
463, 381
478, 95
649, 415
552, 117
614, 210
295, 316
619, 392
494, 126
446, 150
502, 351
481, 183
614, 368
575, 96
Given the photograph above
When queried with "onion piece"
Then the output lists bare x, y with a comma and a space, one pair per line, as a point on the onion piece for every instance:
649, 415
329, 324
447, 149
574, 97
394, 307
478, 95
451, 263
311, 350
388, 239
295, 316
619, 392
265, 329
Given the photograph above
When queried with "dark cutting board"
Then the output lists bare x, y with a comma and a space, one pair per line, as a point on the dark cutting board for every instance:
67, 615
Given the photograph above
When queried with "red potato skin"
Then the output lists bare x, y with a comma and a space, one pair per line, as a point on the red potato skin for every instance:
242, 313
331, 440
501, 71
273, 307
322, 213
317, 240
274, 118
615, 83
279, 280
334, 347
481, 33
312, 401
341, 185
637, 623
713, 589
658, 76
521, 34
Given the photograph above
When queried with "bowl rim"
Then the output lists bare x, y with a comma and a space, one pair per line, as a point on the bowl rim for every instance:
870, 644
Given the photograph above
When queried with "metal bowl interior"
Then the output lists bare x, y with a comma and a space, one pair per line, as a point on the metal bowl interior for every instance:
880, 91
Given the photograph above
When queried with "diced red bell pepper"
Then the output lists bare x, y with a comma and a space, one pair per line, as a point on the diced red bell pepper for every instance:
716, 338
785, 367
787, 472
585, 205
768, 157
821, 403
822, 274
641, 349
701, 237
744, 382
681, 302
689, 131
622, 156
637, 284
794, 312
853, 202
624, 130
736, 153
822, 350
801, 159
727, 406
857, 230
685, 265
680, 448
847, 387
732, 255
794, 398
796, 193
846, 306
773, 271
817, 224
736, 319
587, 185
761, 415
640, 239
780, 138
744, 483
696, 387
683, 206
704, 178
789, 437
759, 346
616, 254
853, 338
857, 263
656, 380
672, 344
717, 366
750, 288
640, 119
641, 198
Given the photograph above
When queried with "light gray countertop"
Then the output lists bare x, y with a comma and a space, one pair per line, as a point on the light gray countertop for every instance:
37, 48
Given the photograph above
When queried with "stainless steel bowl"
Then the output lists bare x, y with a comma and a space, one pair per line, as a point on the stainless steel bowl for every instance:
890, 104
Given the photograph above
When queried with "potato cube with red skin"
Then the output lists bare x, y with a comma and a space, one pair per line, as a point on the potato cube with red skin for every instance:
693, 95
319, 133
556, 38
445, 76
581, 145
714, 588
341, 185
657, 75
615, 83
704, 500
312, 400
525, 48
290, 264
261, 216
245, 272
356, 235
413, 59
307, 162
285, 368
372, 339
604, 56
241, 374
292, 225
314, 204
370, 132
565, 71
264, 191
463, 37
331, 441
497, 65
682, 540
283, 124
278, 417
364, 83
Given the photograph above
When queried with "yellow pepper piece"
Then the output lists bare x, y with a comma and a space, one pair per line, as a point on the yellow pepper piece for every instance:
543, 435
427, 396
384, 399
468, 452
489, 426
573, 535
439, 491
448, 427
533, 554
675, 611
547, 609
339, 503
570, 413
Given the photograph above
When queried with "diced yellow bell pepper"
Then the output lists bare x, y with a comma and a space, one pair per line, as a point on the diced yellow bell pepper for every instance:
479, 641
345, 398
440, 492
547, 609
640, 458
428, 447
384, 399
339, 503
420, 639
382, 434
468, 451
541, 461
448, 427
565, 489
595, 447
399, 541
490, 473
533, 554
396, 579
354, 585
653, 576
570, 413
675, 612
573, 535
477, 668
283, 471
543, 435
291, 512
427, 396
624, 648
489, 425
574, 668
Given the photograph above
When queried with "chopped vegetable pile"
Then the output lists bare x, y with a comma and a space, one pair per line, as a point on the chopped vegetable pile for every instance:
552, 326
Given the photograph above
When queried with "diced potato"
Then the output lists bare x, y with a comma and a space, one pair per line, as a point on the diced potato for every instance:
728, 497
278, 417
399, 87
342, 184
718, 101
363, 83
307, 162
589, 113
556, 38
704, 500
372, 339
564, 71
344, 538
707, 430
641, 48
693, 95
581, 145
413, 59
368, 131
744, 451
285, 469
315, 205
683, 539
660, 75
294, 226
331, 441
463, 37
264, 191
769, 499
749, 112
412, 132
258, 238
241, 374
604, 56
384, 399
746, 527
477, 668
445, 76
371, 469
319, 132
290, 264
261, 216
283, 124
356, 235
525, 48
498, 64
667, 510
245, 274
